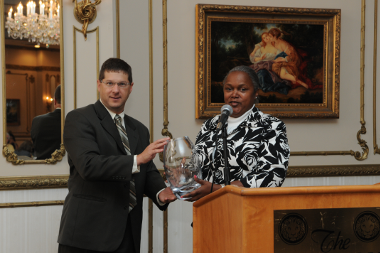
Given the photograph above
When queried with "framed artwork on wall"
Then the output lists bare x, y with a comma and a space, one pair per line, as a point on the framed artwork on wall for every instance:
13, 112
295, 53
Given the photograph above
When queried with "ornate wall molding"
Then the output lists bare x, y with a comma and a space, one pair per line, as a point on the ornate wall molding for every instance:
151, 122
360, 156
85, 13
165, 131
117, 29
376, 149
334, 170
33, 182
43, 182
32, 48
32, 204
32, 68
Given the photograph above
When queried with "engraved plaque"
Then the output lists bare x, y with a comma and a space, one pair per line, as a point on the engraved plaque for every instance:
348, 230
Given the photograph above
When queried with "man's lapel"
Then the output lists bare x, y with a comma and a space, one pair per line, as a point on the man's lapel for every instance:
108, 124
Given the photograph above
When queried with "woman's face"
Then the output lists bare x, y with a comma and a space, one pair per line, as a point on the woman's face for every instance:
266, 38
239, 93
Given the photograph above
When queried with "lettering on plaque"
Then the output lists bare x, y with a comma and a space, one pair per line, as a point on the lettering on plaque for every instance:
346, 230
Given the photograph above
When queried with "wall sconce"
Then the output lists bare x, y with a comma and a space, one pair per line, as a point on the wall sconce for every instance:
85, 13
49, 102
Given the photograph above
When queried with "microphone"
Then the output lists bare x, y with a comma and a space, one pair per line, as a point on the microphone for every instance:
226, 111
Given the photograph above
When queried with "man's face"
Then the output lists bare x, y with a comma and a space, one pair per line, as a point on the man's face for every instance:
114, 97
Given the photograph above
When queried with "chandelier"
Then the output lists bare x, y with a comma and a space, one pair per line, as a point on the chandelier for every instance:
40, 28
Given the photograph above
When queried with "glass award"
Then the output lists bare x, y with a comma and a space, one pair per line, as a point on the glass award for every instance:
181, 166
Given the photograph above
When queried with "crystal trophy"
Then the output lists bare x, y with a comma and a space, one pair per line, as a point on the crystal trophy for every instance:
181, 166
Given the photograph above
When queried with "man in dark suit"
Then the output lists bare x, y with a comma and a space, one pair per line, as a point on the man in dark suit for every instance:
46, 130
109, 162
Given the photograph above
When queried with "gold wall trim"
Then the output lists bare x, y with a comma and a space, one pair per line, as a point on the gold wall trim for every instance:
117, 29
32, 68
334, 170
2, 32
165, 131
43, 182
363, 144
32, 204
376, 149
62, 76
151, 113
75, 59
33, 182
31, 48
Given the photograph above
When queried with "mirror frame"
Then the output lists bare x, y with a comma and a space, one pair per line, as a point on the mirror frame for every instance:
59, 153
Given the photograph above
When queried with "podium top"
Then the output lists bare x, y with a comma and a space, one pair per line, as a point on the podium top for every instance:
300, 190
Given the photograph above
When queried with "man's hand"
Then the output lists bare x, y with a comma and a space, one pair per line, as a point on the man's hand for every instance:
167, 196
150, 152
201, 191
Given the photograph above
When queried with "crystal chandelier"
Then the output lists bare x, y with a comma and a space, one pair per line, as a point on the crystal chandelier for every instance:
37, 28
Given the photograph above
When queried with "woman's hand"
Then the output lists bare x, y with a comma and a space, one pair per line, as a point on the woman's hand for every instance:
201, 191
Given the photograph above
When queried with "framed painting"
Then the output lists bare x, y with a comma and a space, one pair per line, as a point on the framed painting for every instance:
295, 53
13, 112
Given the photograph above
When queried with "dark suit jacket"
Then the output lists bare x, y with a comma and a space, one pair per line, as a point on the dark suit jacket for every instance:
46, 134
95, 212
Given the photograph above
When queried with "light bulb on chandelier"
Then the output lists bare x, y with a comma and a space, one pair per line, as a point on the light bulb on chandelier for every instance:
38, 28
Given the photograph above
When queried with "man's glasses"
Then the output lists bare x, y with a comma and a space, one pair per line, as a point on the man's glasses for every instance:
110, 84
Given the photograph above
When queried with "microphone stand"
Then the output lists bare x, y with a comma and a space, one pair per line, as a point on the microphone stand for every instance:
226, 168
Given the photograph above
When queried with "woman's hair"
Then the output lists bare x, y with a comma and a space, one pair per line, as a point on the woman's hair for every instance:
252, 75
263, 43
275, 32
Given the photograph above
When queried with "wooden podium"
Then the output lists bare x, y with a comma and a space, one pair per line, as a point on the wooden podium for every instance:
236, 219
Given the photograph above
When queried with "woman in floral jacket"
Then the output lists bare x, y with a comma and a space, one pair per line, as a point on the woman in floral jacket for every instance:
257, 145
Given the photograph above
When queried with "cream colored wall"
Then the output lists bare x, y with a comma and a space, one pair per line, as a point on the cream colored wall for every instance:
304, 134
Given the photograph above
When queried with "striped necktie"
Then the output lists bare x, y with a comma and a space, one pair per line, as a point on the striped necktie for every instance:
124, 140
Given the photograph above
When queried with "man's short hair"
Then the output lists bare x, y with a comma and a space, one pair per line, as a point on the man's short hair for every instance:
57, 94
115, 65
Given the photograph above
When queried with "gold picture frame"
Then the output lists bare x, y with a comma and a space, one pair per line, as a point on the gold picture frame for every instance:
225, 36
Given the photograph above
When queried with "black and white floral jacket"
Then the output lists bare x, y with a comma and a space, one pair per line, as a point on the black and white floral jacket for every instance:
258, 151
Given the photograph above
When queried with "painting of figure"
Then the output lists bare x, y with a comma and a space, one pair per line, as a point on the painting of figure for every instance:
288, 59
13, 112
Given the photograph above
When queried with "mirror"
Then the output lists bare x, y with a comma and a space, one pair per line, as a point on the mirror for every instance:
32, 81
